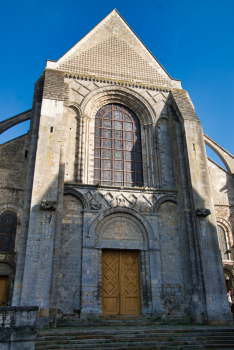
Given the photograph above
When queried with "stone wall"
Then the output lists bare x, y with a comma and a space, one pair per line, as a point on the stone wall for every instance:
223, 196
174, 294
69, 277
18, 328
13, 170
60, 245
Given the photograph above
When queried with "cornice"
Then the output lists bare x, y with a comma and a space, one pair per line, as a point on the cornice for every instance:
133, 84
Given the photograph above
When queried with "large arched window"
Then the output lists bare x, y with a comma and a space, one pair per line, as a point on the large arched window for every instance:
222, 236
8, 224
117, 150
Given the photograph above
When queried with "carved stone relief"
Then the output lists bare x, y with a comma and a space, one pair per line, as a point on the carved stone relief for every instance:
95, 206
48, 205
121, 227
203, 212
143, 202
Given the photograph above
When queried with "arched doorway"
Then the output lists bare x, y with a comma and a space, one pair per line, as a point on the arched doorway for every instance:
122, 239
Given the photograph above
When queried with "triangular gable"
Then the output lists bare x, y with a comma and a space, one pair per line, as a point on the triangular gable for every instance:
112, 50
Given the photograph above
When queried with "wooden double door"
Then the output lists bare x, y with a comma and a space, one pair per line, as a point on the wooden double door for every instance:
120, 282
3, 290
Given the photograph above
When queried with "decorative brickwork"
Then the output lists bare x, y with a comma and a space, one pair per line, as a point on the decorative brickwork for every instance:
114, 58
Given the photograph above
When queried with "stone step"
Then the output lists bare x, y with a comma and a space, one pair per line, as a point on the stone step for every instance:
114, 345
95, 343
121, 320
220, 346
119, 339
136, 336
160, 347
135, 331
132, 336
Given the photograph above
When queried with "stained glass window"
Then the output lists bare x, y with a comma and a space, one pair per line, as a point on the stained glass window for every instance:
8, 224
117, 147
223, 243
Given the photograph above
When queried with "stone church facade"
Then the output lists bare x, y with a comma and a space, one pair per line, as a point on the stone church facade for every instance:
109, 205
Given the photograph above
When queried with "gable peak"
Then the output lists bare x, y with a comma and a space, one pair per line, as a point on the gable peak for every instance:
113, 50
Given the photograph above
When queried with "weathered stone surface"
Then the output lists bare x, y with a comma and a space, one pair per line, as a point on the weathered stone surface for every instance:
65, 220
18, 328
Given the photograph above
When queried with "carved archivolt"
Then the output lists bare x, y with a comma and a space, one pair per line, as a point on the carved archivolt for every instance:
126, 224
116, 94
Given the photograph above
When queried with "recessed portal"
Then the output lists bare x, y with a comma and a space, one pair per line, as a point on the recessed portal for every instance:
120, 282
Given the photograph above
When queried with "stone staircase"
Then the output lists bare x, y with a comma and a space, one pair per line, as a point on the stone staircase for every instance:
138, 333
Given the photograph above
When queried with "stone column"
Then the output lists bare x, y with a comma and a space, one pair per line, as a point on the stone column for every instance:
83, 162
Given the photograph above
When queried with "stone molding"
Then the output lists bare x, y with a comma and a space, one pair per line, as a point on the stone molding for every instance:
118, 94
162, 200
15, 208
115, 82
78, 195
75, 106
228, 228
132, 214
137, 233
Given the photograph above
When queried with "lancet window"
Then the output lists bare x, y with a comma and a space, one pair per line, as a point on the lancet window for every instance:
223, 246
117, 147
8, 224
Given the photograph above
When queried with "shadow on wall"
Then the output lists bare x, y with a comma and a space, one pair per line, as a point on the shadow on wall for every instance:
50, 282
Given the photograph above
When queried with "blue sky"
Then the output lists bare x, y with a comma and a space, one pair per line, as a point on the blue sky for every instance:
193, 40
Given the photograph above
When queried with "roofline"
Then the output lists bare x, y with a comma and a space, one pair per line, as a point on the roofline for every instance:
16, 138
86, 34
132, 32
143, 44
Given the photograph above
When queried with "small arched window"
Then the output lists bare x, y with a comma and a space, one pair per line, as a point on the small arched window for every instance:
117, 147
223, 246
8, 224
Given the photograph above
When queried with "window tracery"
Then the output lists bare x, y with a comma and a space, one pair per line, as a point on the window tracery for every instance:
117, 147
